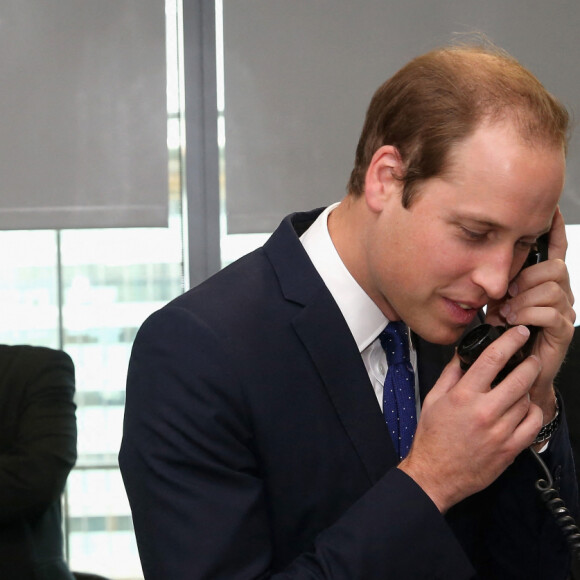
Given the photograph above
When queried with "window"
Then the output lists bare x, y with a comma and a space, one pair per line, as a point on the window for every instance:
87, 292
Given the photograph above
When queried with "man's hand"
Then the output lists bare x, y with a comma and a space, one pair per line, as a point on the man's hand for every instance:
468, 433
541, 296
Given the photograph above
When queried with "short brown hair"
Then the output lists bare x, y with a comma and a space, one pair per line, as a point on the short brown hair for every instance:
440, 98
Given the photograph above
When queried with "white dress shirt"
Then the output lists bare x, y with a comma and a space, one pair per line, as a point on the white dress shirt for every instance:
362, 315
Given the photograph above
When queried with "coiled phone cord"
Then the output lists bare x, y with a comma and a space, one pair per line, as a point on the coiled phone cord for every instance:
558, 509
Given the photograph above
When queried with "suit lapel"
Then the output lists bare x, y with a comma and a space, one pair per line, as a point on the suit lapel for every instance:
331, 347
333, 351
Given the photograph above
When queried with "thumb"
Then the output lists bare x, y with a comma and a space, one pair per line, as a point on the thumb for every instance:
450, 376
558, 243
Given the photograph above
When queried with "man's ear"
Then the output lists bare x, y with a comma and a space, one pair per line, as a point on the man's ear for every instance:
383, 177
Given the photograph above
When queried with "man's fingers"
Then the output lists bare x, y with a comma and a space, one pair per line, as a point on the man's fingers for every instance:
494, 358
450, 376
515, 386
527, 429
548, 280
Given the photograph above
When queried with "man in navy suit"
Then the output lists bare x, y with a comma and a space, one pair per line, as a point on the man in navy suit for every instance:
254, 443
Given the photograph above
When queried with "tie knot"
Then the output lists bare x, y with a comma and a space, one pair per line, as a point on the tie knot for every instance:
395, 342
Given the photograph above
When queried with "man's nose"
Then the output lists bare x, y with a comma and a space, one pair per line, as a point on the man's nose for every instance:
493, 272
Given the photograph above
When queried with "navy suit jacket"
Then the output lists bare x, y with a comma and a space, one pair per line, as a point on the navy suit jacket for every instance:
254, 446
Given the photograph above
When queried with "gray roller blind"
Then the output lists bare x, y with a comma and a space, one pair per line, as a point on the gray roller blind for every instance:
299, 76
84, 116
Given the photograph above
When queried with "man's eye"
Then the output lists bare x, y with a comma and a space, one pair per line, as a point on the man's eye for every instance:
473, 235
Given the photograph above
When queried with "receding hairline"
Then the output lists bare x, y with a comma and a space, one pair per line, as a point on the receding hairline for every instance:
439, 98
511, 125
481, 61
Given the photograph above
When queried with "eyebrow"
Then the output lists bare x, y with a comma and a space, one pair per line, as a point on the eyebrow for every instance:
496, 225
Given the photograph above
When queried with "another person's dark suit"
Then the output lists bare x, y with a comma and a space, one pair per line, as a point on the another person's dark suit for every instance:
254, 447
568, 383
37, 451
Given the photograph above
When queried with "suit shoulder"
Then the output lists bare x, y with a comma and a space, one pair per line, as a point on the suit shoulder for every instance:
238, 285
29, 359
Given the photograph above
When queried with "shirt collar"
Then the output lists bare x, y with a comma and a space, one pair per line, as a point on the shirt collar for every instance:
363, 316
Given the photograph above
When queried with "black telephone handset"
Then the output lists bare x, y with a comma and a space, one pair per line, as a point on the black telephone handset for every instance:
470, 347
480, 337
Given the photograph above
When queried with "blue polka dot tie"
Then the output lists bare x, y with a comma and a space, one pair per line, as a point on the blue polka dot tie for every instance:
399, 390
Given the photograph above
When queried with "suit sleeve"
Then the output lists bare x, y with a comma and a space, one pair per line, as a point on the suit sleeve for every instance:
515, 535
35, 464
197, 490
